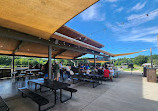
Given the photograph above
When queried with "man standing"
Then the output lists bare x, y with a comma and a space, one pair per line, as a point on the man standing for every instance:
56, 71
61, 70
68, 71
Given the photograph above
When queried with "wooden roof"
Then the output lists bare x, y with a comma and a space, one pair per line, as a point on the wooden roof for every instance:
39, 18
19, 47
78, 36
8, 47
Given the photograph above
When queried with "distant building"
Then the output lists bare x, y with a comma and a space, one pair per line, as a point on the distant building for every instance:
147, 65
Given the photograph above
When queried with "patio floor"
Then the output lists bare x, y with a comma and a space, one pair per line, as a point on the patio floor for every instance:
126, 93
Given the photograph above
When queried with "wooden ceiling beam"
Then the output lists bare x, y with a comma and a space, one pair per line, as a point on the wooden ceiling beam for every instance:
9, 33
79, 55
60, 52
17, 47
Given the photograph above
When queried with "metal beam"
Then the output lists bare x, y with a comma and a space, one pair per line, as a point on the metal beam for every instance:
60, 52
9, 33
13, 63
94, 61
17, 47
68, 39
50, 62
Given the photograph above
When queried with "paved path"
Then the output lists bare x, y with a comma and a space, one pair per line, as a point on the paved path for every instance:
126, 93
131, 93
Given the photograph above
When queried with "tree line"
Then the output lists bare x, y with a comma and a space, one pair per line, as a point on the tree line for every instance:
24, 61
138, 60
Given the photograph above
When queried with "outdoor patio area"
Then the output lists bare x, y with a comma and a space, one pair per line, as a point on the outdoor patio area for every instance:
126, 93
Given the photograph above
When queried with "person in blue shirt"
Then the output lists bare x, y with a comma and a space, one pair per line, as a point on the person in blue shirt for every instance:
81, 67
87, 67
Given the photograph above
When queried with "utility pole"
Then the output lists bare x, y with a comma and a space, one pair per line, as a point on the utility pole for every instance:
157, 40
151, 57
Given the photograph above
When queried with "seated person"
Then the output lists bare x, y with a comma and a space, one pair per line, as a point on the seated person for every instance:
81, 67
88, 71
87, 67
107, 74
37, 66
100, 71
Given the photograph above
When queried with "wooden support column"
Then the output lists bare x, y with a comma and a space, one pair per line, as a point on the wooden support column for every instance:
49, 62
94, 61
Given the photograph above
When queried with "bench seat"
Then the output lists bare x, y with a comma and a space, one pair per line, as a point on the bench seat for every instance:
3, 105
34, 96
71, 90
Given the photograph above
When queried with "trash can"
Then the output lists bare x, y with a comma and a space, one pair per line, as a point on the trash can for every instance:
151, 75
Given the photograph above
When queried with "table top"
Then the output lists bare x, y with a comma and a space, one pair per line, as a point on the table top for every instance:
33, 70
40, 73
93, 75
20, 69
21, 74
14, 73
52, 84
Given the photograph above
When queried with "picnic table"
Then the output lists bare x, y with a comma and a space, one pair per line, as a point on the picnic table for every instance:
92, 78
32, 70
51, 84
19, 69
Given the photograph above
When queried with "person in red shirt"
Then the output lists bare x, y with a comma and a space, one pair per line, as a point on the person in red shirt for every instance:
107, 74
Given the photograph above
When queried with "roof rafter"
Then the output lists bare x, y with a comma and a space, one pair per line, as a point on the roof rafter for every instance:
60, 52
18, 46
79, 55
9, 33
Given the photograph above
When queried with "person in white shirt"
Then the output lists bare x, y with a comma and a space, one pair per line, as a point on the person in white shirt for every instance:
88, 71
60, 65
68, 71
111, 71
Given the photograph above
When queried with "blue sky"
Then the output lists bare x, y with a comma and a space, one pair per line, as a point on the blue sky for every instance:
122, 26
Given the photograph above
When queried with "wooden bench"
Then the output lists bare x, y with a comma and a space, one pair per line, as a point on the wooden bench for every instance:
34, 96
3, 105
71, 90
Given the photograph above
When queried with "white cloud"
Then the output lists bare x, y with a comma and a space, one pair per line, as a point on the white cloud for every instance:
137, 19
119, 9
93, 13
115, 29
140, 34
138, 6
113, 5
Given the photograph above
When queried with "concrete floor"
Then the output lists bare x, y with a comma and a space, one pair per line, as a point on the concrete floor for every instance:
126, 93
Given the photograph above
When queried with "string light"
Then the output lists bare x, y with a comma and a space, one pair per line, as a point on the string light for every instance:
124, 23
